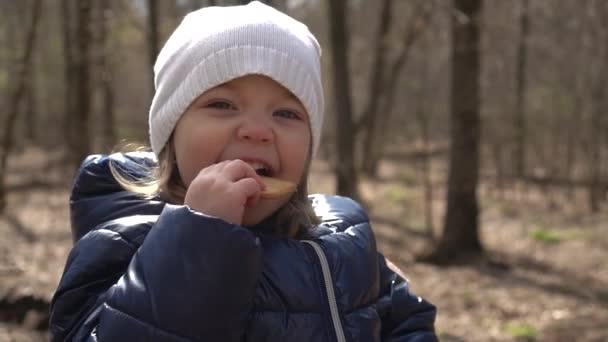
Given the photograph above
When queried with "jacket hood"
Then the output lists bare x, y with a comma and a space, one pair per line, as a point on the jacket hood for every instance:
97, 197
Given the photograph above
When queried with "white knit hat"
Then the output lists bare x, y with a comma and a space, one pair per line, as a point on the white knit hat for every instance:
214, 45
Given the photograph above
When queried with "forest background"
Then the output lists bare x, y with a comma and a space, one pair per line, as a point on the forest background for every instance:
475, 132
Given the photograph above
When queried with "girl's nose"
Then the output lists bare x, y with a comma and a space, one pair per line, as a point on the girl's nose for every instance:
257, 132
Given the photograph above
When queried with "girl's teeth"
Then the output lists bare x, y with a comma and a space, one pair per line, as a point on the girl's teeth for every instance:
258, 166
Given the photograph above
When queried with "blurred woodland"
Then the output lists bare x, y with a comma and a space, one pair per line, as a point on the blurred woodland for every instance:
474, 131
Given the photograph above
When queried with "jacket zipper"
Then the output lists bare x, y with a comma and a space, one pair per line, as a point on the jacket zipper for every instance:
329, 287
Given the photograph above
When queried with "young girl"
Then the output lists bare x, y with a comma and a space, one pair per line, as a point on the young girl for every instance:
188, 243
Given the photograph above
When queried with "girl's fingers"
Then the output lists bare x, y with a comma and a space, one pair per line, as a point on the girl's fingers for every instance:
250, 188
237, 169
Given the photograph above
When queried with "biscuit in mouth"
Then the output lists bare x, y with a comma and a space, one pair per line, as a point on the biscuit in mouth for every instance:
276, 188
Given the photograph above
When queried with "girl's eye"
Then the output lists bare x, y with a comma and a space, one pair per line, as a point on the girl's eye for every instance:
288, 114
220, 105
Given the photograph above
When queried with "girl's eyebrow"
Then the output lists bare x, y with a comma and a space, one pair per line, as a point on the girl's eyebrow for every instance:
291, 95
285, 92
226, 85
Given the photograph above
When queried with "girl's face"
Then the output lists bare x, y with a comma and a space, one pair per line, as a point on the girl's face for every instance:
252, 118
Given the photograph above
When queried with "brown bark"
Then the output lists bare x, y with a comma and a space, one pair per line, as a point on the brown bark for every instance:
369, 118
105, 79
520, 114
595, 162
425, 170
66, 14
152, 36
345, 164
460, 238
22, 77
378, 71
81, 144
424, 122
573, 123
29, 109
599, 105
595, 166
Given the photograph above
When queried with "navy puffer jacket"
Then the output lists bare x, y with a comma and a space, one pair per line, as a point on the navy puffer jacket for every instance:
144, 270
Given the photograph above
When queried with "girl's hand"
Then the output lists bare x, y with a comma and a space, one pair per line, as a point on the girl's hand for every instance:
224, 189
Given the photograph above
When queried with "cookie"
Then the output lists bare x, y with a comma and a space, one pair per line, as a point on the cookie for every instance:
276, 188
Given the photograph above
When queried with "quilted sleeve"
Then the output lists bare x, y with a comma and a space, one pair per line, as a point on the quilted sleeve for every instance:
405, 316
192, 279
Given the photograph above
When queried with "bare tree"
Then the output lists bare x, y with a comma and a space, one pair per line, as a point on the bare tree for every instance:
81, 143
595, 162
152, 34
345, 164
30, 108
598, 14
66, 13
460, 238
376, 124
368, 120
105, 75
424, 161
22, 77
520, 115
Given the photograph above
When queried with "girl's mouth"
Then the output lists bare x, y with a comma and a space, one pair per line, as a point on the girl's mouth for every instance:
261, 169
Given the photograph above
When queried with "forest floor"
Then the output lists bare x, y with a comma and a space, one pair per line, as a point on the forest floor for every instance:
545, 277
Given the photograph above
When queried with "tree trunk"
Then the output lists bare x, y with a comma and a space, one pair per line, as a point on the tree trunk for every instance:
30, 108
520, 115
82, 81
460, 239
22, 77
570, 159
423, 118
345, 164
595, 191
105, 68
66, 15
369, 117
373, 147
152, 37
597, 111
425, 169
599, 105
428, 180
